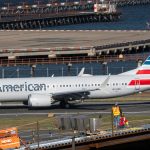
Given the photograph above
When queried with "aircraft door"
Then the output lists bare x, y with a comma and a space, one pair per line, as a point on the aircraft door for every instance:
137, 84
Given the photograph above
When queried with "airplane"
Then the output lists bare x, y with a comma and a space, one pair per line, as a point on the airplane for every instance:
45, 91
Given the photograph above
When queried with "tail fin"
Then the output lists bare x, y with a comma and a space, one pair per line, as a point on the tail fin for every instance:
143, 69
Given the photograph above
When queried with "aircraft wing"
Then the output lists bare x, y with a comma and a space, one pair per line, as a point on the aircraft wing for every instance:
78, 94
73, 95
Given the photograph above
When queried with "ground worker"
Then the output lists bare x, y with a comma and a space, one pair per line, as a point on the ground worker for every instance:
116, 112
123, 122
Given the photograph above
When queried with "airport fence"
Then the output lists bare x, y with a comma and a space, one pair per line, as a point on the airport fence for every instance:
48, 128
45, 71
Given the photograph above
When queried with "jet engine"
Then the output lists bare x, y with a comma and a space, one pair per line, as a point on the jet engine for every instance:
40, 100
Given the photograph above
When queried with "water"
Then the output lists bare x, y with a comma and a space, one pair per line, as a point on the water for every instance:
133, 18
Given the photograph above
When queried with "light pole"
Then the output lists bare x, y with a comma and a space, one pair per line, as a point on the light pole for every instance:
33, 70
105, 70
69, 68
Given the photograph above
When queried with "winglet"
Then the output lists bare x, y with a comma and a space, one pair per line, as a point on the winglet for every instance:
105, 82
81, 72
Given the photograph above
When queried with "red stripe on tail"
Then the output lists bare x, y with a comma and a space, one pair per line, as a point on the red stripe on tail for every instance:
143, 72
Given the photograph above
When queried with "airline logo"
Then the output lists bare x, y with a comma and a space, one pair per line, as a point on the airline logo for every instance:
23, 87
145, 68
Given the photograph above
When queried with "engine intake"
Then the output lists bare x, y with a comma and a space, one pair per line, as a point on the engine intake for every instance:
40, 100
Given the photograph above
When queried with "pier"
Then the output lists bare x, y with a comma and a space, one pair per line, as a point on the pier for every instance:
41, 15
57, 20
38, 16
122, 3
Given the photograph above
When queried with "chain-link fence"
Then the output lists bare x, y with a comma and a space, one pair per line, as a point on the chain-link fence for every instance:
66, 69
41, 128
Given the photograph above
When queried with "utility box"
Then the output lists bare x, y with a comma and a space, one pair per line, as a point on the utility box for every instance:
70, 122
94, 124
64, 122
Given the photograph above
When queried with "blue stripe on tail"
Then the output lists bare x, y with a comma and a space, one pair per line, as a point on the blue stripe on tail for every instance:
148, 58
146, 63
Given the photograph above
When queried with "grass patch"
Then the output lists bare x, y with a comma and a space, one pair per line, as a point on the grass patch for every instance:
28, 122
45, 123
135, 120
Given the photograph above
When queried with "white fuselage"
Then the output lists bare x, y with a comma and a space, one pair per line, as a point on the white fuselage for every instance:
19, 89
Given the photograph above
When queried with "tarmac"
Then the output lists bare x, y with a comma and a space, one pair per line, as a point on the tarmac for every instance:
132, 107
29, 39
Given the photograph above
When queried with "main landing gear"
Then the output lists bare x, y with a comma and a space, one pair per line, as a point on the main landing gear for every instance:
64, 104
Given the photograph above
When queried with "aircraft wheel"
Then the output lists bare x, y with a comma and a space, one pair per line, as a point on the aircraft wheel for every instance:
67, 105
64, 104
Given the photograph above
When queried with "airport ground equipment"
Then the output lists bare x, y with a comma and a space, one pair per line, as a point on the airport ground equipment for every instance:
9, 138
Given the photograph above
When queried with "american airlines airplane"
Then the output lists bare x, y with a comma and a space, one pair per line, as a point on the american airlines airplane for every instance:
45, 91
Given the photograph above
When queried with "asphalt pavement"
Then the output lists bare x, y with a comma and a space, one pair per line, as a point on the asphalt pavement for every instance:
85, 108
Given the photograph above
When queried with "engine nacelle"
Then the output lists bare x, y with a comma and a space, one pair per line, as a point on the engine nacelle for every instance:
40, 100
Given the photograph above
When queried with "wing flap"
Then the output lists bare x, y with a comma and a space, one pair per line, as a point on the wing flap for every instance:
73, 95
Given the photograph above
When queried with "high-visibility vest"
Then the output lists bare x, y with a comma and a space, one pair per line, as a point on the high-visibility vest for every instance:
116, 110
